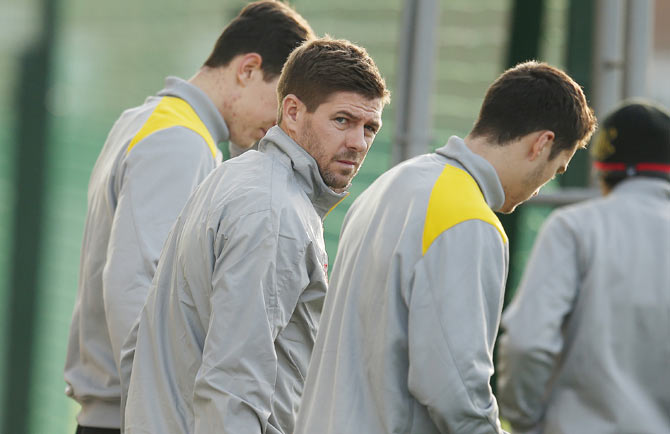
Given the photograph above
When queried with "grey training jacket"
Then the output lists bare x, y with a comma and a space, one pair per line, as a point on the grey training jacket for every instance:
406, 339
154, 157
224, 340
586, 346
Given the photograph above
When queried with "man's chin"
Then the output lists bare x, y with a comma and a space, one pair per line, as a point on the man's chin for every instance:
339, 187
336, 183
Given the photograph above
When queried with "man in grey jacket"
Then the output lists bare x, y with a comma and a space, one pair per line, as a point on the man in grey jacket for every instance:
223, 342
154, 157
586, 347
412, 312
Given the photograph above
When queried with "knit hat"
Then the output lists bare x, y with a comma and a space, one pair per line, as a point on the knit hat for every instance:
634, 140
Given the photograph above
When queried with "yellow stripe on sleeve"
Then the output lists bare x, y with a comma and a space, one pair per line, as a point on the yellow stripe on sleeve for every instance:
455, 198
173, 112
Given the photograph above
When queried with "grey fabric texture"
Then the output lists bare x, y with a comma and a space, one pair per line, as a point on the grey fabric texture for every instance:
585, 347
406, 340
223, 342
133, 200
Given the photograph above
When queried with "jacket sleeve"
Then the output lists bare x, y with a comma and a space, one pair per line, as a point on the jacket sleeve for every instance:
126, 365
532, 338
251, 302
155, 180
454, 310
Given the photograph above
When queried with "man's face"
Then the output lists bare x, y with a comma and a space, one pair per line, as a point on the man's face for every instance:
339, 134
535, 177
255, 111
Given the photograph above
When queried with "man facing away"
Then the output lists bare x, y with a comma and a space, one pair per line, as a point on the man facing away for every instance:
586, 348
154, 157
409, 323
223, 342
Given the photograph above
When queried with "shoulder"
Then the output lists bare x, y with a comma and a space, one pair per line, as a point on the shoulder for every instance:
254, 182
238, 187
176, 153
171, 117
455, 198
471, 238
176, 140
405, 186
250, 176
578, 215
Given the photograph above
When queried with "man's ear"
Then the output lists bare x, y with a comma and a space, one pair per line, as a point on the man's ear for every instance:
541, 142
247, 67
292, 110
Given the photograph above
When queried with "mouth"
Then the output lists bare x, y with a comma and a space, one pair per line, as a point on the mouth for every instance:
347, 165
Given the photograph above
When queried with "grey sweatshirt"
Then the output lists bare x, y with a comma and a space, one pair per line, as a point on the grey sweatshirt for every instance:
586, 347
154, 157
406, 340
223, 342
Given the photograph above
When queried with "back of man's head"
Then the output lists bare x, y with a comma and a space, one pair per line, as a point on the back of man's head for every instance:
535, 96
269, 28
633, 140
321, 67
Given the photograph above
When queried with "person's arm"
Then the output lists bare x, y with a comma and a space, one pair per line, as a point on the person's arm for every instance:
532, 338
252, 300
454, 309
158, 176
126, 365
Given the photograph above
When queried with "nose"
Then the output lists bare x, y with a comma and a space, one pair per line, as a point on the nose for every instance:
356, 140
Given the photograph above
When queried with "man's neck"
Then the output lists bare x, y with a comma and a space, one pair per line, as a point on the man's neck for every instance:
503, 158
215, 83
481, 146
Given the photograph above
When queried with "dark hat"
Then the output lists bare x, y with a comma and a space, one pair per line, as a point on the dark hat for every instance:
634, 140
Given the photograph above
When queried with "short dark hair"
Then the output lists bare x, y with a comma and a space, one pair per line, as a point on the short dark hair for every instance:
321, 67
535, 96
269, 28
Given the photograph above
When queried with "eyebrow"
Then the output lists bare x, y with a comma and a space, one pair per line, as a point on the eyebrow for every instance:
374, 124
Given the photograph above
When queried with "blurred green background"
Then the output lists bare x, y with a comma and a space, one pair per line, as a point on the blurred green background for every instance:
108, 56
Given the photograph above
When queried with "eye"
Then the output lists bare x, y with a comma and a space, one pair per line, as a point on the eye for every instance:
370, 129
341, 120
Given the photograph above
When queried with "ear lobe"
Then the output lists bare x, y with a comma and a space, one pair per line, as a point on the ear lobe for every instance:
248, 65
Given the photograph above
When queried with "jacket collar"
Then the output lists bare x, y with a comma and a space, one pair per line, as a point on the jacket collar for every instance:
306, 171
479, 168
641, 185
201, 103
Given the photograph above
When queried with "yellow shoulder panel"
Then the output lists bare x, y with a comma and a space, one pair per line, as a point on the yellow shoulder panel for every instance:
455, 198
173, 112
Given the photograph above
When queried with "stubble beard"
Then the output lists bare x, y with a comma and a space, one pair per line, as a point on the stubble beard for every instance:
312, 144
531, 183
